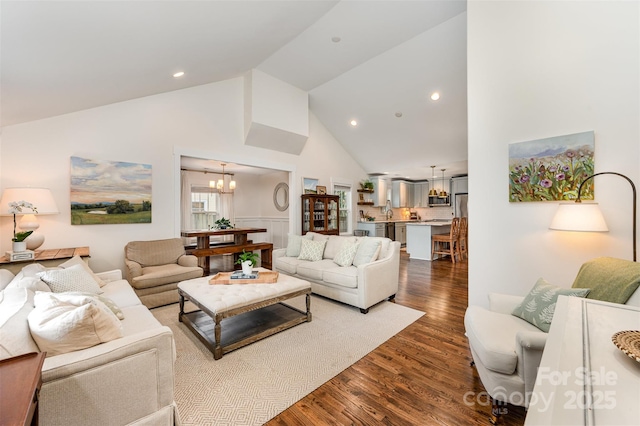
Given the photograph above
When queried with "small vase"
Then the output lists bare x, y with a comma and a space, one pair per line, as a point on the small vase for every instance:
19, 246
246, 267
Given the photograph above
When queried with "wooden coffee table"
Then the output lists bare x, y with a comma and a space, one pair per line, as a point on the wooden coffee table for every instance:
235, 315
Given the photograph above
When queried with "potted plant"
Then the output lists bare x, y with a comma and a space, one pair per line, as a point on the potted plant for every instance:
248, 260
367, 185
223, 223
19, 243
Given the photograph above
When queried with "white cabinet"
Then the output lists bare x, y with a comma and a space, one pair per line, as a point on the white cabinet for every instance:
459, 185
421, 194
380, 187
401, 233
374, 229
401, 193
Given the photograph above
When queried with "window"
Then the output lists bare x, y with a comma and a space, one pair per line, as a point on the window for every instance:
344, 191
205, 207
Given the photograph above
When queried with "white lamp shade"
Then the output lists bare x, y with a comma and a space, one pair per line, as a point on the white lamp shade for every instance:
40, 198
585, 217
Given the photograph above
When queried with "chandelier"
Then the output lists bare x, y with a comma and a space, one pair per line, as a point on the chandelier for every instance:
220, 183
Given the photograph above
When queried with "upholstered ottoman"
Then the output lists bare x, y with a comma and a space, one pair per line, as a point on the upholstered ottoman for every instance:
235, 315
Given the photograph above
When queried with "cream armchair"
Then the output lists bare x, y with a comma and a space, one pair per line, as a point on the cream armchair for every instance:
154, 269
506, 349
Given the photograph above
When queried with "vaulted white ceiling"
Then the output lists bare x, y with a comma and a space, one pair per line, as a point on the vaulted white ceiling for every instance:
64, 56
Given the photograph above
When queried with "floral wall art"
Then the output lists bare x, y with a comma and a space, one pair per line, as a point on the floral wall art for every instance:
109, 192
551, 169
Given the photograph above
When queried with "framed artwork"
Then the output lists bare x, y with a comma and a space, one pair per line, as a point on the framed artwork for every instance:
361, 197
309, 185
322, 190
551, 169
109, 192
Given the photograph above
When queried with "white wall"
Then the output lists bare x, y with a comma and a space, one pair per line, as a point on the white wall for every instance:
541, 69
205, 120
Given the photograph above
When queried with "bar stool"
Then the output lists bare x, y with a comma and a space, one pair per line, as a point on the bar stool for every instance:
462, 239
447, 244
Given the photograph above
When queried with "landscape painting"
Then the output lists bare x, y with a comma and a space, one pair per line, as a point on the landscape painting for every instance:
551, 169
109, 192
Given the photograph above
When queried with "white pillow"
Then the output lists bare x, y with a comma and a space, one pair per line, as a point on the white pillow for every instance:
62, 322
77, 260
29, 283
346, 253
312, 250
73, 278
15, 338
367, 251
5, 278
294, 243
107, 302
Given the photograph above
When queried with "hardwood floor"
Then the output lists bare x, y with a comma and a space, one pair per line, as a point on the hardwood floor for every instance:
418, 377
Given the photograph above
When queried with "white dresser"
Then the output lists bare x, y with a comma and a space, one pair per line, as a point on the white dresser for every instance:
584, 379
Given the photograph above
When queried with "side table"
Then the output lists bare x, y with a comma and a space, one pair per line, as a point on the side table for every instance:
20, 383
48, 258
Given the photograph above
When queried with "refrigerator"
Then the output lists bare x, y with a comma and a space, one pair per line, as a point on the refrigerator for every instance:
461, 205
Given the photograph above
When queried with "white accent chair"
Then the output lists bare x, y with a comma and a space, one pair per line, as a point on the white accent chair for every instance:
506, 350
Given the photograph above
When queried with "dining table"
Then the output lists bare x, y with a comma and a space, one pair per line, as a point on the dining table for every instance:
204, 248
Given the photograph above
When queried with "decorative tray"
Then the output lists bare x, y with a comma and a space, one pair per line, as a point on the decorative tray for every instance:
264, 277
628, 342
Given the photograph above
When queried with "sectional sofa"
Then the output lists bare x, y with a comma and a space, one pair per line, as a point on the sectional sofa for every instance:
359, 271
124, 381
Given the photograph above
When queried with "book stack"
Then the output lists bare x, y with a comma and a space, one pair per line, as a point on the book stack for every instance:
239, 275
13, 256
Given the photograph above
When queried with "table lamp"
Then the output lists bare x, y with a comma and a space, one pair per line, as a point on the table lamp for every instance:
41, 199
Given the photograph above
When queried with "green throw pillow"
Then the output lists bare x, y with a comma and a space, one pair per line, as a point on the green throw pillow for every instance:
294, 243
539, 305
346, 253
312, 250
610, 279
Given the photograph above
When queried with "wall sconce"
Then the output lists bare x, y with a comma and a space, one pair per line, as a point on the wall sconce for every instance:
41, 198
587, 217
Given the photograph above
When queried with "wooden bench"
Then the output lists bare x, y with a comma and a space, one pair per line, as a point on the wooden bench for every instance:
266, 250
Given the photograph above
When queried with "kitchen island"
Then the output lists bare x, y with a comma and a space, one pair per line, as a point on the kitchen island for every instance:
419, 237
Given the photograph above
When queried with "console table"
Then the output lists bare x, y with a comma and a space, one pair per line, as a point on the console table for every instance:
240, 242
48, 257
583, 378
20, 383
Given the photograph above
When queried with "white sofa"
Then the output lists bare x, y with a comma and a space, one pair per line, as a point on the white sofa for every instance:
361, 286
507, 350
126, 381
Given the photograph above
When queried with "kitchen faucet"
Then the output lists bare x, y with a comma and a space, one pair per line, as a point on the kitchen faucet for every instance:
389, 211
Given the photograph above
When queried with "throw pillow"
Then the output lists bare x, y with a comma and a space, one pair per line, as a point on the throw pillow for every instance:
107, 302
294, 243
346, 253
29, 283
368, 250
15, 338
63, 322
77, 260
5, 278
312, 250
73, 278
610, 279
539, 305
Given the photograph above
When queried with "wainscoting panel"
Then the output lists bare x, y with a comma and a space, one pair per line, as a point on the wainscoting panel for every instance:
277, 229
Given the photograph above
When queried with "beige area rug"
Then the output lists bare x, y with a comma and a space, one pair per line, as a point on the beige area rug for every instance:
253, 384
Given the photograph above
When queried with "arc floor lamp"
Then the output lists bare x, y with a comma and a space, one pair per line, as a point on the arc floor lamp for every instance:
580, 216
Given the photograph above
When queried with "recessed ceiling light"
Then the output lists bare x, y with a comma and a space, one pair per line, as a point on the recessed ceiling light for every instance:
385, 173
398, 114
354, 123
435, 96
178, 74
336, 39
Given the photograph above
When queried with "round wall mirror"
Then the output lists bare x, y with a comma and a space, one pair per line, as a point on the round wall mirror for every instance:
281, 196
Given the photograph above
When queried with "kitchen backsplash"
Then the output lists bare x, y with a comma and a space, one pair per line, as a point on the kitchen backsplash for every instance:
424, 213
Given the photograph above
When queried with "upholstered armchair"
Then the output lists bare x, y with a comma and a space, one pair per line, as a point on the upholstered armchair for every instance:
154, 269
507, 349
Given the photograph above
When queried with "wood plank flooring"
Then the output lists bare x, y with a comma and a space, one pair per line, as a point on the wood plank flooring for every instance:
418, 377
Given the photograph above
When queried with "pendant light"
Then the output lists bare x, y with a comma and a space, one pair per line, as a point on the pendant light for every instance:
219, 185
443, 193
432, 191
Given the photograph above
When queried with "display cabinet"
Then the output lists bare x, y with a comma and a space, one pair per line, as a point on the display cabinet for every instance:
320, 214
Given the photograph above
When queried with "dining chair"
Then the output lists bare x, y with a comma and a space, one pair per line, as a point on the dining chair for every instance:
447, 244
